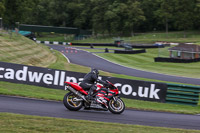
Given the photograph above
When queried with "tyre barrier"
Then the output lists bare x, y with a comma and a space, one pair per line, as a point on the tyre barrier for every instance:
182, 94
174, 60
129, 51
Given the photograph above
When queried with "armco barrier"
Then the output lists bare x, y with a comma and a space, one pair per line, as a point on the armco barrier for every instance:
183, 94
94, 44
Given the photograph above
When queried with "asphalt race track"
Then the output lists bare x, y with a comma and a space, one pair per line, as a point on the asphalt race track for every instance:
84, 58
56, 109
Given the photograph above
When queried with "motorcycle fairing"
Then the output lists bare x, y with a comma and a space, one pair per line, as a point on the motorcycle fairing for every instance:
76, 87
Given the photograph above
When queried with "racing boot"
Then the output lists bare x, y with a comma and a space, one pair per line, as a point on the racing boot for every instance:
90, 93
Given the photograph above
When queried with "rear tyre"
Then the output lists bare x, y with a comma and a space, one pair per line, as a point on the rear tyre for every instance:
70, 102
116, 107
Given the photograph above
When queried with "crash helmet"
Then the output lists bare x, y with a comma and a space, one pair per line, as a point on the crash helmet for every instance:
95, 71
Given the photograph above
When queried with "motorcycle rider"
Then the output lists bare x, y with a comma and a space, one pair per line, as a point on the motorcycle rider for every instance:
89, 81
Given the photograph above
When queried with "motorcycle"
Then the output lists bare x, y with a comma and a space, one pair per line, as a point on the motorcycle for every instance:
77, 98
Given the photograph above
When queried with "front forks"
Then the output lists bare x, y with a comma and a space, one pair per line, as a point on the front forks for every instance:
115, 98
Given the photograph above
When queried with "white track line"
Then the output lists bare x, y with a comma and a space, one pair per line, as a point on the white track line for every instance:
66, 58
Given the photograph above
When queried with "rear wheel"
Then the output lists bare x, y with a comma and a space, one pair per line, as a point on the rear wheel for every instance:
71, 102
116, 107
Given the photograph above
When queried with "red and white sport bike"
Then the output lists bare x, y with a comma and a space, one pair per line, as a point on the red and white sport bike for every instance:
76, 98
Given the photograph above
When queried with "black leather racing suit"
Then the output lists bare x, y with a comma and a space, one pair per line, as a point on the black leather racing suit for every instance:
89, 81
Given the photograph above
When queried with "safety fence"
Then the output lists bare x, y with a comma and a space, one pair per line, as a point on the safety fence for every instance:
62, 30
182, 94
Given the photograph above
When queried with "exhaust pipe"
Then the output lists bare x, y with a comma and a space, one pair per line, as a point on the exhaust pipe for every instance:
75, 92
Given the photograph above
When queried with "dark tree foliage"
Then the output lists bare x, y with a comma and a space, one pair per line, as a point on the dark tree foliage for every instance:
113, 17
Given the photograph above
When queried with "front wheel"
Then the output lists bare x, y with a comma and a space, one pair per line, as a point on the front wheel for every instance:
116, 107
70, 101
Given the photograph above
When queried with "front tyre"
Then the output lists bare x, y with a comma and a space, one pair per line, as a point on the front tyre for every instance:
71, 103
116, 107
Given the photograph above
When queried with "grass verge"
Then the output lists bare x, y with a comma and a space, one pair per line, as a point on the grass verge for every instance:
24, 124
21, 50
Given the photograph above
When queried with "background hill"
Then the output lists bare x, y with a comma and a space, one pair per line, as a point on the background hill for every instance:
21, 50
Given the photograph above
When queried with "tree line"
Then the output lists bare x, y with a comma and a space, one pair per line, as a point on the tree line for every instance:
122, 17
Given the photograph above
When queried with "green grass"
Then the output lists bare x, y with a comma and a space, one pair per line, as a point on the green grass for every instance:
21, 50
13, 123
31, 91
